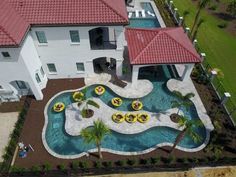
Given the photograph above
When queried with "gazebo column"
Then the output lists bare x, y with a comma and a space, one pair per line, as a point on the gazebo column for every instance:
135, 72
187, 71
119, 68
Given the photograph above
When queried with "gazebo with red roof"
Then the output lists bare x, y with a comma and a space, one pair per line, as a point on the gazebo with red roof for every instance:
160, 46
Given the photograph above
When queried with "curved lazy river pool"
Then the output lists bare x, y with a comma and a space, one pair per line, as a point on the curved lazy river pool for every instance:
158, 100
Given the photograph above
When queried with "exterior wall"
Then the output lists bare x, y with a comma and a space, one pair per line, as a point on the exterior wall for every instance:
64, 54
21, 66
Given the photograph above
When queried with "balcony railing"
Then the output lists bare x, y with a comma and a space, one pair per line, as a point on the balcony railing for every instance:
104, 45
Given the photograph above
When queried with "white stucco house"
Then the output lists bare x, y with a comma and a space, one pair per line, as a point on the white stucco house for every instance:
54, 39
41, 40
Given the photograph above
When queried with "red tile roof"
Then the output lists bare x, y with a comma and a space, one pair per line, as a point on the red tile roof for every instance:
49, 12
160, 46
12, 26
56, 12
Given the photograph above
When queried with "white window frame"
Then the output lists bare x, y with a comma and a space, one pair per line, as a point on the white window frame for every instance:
42, 72
74, 43
50, 72
79, 71
41, 43
38, 79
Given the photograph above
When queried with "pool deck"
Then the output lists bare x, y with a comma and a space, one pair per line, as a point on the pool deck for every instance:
139, 90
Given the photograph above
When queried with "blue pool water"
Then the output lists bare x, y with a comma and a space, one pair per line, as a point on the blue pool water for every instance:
159, 100
147, 22
143, 23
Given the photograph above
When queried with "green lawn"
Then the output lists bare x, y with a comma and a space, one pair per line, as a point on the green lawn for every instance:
219, 46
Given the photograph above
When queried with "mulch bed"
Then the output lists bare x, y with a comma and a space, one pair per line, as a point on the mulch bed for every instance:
32, 131
12, 106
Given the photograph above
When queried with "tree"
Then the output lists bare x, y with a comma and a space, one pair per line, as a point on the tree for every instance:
201, 21
201, 5
81, 97
231, 9
95, 134
187, 130
184, 100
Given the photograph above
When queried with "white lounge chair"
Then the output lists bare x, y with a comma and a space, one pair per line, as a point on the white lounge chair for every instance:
130, 14
150, 13
143, 13
137, 13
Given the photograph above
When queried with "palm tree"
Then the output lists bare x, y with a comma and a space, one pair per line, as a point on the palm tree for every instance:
95, 134
184, 100
82, 98
201, 5
188, 130
201, 21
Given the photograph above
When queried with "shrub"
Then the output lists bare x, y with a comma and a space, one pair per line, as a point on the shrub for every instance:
171, 159
107, 164
223, 25
97, 164
18, 170
120, 163
154, 160
62, 167
213, 7
143, 161
46, 167
83, 164
35, 169
74, 165
130, 162
206, 160
195, 160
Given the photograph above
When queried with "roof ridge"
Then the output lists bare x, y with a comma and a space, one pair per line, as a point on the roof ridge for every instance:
164, 32
113, 9
149, 43
12, 39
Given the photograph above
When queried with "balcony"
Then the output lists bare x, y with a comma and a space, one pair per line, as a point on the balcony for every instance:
102, 39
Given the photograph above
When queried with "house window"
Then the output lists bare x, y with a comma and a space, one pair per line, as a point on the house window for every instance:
52, 68
74, 36
21, 84
41, 36
42, 71
80, 67
6, 54
37, 78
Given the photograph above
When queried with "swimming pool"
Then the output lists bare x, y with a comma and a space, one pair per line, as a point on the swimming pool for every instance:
159, 100
143, 23
146, 22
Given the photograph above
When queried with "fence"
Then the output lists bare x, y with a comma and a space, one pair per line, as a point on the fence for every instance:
229, 105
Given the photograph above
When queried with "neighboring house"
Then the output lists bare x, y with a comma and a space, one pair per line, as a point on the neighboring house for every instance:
52, 39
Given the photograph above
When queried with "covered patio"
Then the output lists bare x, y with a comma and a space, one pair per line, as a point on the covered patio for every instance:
161, 46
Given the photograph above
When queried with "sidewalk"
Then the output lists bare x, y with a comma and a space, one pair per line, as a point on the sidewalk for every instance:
8, 121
